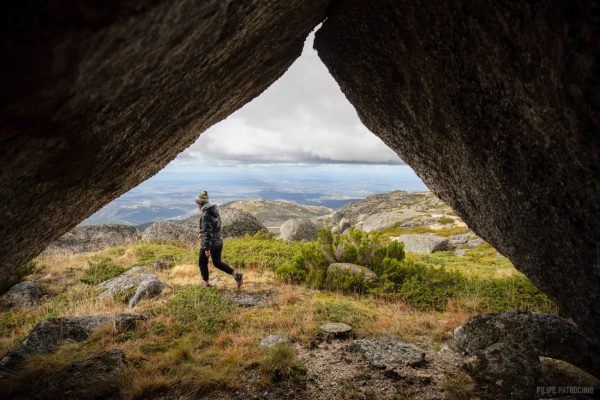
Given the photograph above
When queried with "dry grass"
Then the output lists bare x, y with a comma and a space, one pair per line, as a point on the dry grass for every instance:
165, 354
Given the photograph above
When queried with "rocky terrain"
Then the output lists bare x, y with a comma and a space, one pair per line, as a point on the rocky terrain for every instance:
422, 222
273, 213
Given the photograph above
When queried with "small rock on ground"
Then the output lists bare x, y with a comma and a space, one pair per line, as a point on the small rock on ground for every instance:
388, 353
336, 330
147, 289
244, 299
272, 340
24, 294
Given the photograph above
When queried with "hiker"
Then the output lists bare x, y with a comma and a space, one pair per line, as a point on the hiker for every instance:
211, 240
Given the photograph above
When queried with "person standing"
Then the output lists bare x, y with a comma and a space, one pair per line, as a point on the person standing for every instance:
211, 240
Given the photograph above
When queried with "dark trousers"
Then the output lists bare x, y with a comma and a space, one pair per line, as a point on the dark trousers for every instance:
215, 253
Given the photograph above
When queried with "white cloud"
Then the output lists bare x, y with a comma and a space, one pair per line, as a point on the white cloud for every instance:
302, 118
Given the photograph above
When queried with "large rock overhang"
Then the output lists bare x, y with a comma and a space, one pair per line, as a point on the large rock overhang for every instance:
495, 106
96, 97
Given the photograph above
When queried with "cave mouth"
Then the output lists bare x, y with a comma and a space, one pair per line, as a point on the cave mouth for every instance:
301, 131
494, 106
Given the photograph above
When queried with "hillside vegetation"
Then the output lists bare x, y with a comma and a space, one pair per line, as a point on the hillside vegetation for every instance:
198, 341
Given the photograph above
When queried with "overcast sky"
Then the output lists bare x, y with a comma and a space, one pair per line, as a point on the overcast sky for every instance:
301, 118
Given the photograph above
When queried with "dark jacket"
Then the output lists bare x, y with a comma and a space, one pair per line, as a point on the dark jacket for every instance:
210, 226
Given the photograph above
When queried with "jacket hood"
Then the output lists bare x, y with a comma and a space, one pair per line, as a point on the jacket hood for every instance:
209, 208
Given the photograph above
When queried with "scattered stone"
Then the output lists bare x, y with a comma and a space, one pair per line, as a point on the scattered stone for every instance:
450, 356
337, 270
388, 353
502, 351
163, 263
423, 244
147, 289
244, 299
336, 330
459, 240
97, 377
299, 229
95, 237
48, 335
272, 340
127, 285
343, 225
24, 294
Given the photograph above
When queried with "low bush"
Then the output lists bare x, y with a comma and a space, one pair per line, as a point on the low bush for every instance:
100, 269
312, 260
260, 250
148, 252
422, 285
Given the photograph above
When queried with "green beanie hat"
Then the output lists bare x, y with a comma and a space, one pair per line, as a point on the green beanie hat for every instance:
202, 198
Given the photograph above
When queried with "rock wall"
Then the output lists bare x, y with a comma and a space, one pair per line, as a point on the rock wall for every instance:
99, 96
495, 106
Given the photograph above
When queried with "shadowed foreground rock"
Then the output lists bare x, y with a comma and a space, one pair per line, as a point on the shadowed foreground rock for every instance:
99, 96
495, 106
47, 336
502, 351
98, 377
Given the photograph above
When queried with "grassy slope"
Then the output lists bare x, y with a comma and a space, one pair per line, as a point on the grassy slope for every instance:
196, 340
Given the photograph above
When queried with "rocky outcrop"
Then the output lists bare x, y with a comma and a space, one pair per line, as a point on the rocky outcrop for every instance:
185, 231
98, 97
388, 353
502, 351
383, 210
235, 222
24, 294
299, 229
97, 377
94, 237
239, 223
273, 213
47, 336
495, 107
422, 244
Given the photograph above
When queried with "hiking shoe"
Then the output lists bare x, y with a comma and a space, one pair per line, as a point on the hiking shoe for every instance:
239, 278
205, 284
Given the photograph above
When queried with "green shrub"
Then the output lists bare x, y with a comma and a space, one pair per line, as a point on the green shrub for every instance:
345, 281
100, 269
198, 309
261, 250
148, 252
310, 263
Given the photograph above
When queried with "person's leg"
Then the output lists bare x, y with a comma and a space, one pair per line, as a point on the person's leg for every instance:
203, 264
215, 254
